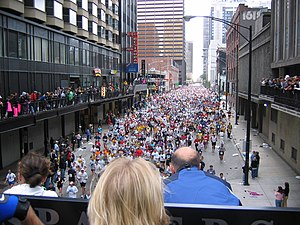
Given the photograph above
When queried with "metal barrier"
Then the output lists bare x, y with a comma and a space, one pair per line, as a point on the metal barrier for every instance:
29, 107
62, 211
284, 97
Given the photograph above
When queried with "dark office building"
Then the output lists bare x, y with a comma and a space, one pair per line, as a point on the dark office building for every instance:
46, 44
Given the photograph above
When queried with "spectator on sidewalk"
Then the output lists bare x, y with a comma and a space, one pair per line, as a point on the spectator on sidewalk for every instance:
190, 185
286, 192
278, 196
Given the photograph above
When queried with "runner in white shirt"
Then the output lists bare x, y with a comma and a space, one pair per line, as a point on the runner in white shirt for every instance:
72, 190
10, 178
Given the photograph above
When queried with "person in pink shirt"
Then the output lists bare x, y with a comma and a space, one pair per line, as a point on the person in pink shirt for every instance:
278, 196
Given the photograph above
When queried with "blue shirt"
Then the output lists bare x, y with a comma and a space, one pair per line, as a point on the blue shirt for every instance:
194, 186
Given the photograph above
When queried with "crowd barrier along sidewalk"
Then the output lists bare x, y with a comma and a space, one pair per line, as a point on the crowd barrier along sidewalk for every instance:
62, 211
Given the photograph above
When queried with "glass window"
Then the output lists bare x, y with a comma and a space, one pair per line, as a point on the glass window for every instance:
37, 49
85, 4
94, 9
76, 56
71, 55
45, 50
22, 48
84, 57
85, 23
30, 47
101, 32
39, 4
12, 44
102, 15
56, 52
95, 28
58, 10
1, 43
62, 54
109, 35
73, 19
87, 58
110, 4
4, 43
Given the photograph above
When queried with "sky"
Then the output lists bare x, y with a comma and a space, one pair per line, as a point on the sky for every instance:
194, 30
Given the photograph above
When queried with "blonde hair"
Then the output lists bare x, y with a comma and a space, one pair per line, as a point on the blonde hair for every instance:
129, 192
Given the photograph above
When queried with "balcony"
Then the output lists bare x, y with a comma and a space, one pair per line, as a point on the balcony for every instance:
27, 113
290, 99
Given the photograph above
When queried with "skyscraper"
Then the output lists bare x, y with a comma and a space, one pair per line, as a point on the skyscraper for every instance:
161, 32
216, 31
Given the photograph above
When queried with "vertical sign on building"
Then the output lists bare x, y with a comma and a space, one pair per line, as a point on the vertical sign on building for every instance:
143, 67
134, 46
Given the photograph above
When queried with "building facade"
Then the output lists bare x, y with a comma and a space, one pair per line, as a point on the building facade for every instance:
161, 32
275, 109
54, 45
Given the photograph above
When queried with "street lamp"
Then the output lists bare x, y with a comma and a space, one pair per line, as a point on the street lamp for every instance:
248, 111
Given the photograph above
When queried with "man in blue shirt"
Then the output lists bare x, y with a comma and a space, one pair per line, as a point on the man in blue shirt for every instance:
190, 185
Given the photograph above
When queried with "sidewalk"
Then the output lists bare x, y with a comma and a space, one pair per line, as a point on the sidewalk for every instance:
273, 172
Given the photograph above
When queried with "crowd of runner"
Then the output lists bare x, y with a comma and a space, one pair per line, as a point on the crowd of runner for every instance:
154, 129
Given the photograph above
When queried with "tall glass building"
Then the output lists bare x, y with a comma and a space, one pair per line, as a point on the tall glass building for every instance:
161, 31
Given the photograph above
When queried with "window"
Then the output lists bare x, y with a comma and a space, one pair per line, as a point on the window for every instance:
274, 115
22, 48
62, 48
56, 52
72, 16
93, 9
109, 4
84, 57
282, 145
12, 44
87, 58
94, 28
58, 9
109, 35
77, 56
101, 32
1, 43
85, 23
40, 5
45, 49
102, 15
37, 49
84, 4
71, 55
273, 138
294, 154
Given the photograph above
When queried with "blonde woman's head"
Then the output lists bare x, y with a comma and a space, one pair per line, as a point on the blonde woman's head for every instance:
129, 192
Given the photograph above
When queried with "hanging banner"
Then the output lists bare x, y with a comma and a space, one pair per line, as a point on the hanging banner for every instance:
134, 46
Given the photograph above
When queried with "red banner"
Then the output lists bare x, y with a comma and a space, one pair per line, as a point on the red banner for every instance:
134, 46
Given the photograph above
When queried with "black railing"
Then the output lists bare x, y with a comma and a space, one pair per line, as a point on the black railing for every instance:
289, 98
35, 107
73, 211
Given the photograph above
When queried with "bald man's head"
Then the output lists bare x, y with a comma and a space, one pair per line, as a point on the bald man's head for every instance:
185, 157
